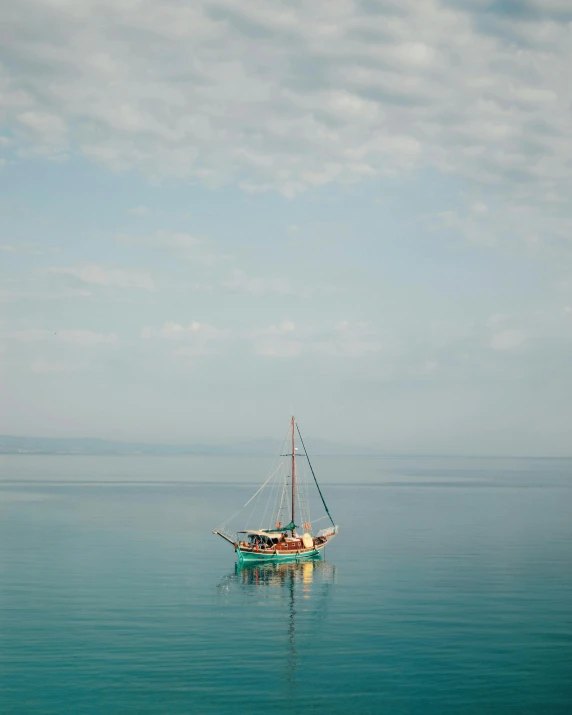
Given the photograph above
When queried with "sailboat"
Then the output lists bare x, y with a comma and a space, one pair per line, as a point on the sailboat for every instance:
279, 541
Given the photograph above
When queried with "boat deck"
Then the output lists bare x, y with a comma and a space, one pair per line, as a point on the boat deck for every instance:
286, 546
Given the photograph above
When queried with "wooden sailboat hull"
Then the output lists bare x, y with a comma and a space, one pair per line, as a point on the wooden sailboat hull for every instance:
277, 556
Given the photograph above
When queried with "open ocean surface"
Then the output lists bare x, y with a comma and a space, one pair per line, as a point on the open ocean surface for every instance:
448, 590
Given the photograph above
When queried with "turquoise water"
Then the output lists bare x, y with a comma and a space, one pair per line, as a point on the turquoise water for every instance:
449, 590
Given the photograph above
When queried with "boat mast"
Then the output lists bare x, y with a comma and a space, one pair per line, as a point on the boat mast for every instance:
293, 476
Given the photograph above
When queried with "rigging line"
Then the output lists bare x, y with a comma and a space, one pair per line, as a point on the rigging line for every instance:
270, 494
302, 494
300, 510
274, 484
312, 470
278, 496
272, 497
262, 487
253, 511
251, 498
282, 504
279, 504
306, 495
256, 504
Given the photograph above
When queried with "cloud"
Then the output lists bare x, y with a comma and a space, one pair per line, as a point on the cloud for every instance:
284, 328
350, 340
179, 241
508, 340
195, 338
345, 339
241, 283
139, 211
45, 367
175, 331
49, 128
29, 250
30, 287
514, 225
81, 338
498, 318
94, 274
184, 245
430, 367
291, 96
278, 340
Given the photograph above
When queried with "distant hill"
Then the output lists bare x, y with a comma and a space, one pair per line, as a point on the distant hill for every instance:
10, 444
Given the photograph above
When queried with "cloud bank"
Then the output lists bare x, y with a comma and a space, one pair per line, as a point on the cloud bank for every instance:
295, 95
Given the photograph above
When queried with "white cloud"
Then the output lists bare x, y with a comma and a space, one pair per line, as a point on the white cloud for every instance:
184, 242
49, 128
198, 349
88, 338
289, 96
28, 336
242, 283
279, 340
139, 211
29, 250
345, 339
45, 367
94, 274
350, 340
195, 338
430, 367
284, 328
508, 340
175, 331
498, 318
184, 245
81, 338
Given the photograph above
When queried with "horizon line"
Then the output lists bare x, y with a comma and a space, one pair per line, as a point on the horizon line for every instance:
361, 451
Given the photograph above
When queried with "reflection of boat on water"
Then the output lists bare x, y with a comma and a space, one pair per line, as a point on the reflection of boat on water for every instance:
288, 498
309, 577
281, 574
303, 587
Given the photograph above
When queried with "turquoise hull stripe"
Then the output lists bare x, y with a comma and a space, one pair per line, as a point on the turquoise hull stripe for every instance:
249, 557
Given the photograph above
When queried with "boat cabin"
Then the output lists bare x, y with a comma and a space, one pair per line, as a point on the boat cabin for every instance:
262, 539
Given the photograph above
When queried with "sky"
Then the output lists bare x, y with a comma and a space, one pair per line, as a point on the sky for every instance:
214, 214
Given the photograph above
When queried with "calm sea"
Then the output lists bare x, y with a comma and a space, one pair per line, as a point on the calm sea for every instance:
448, 590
